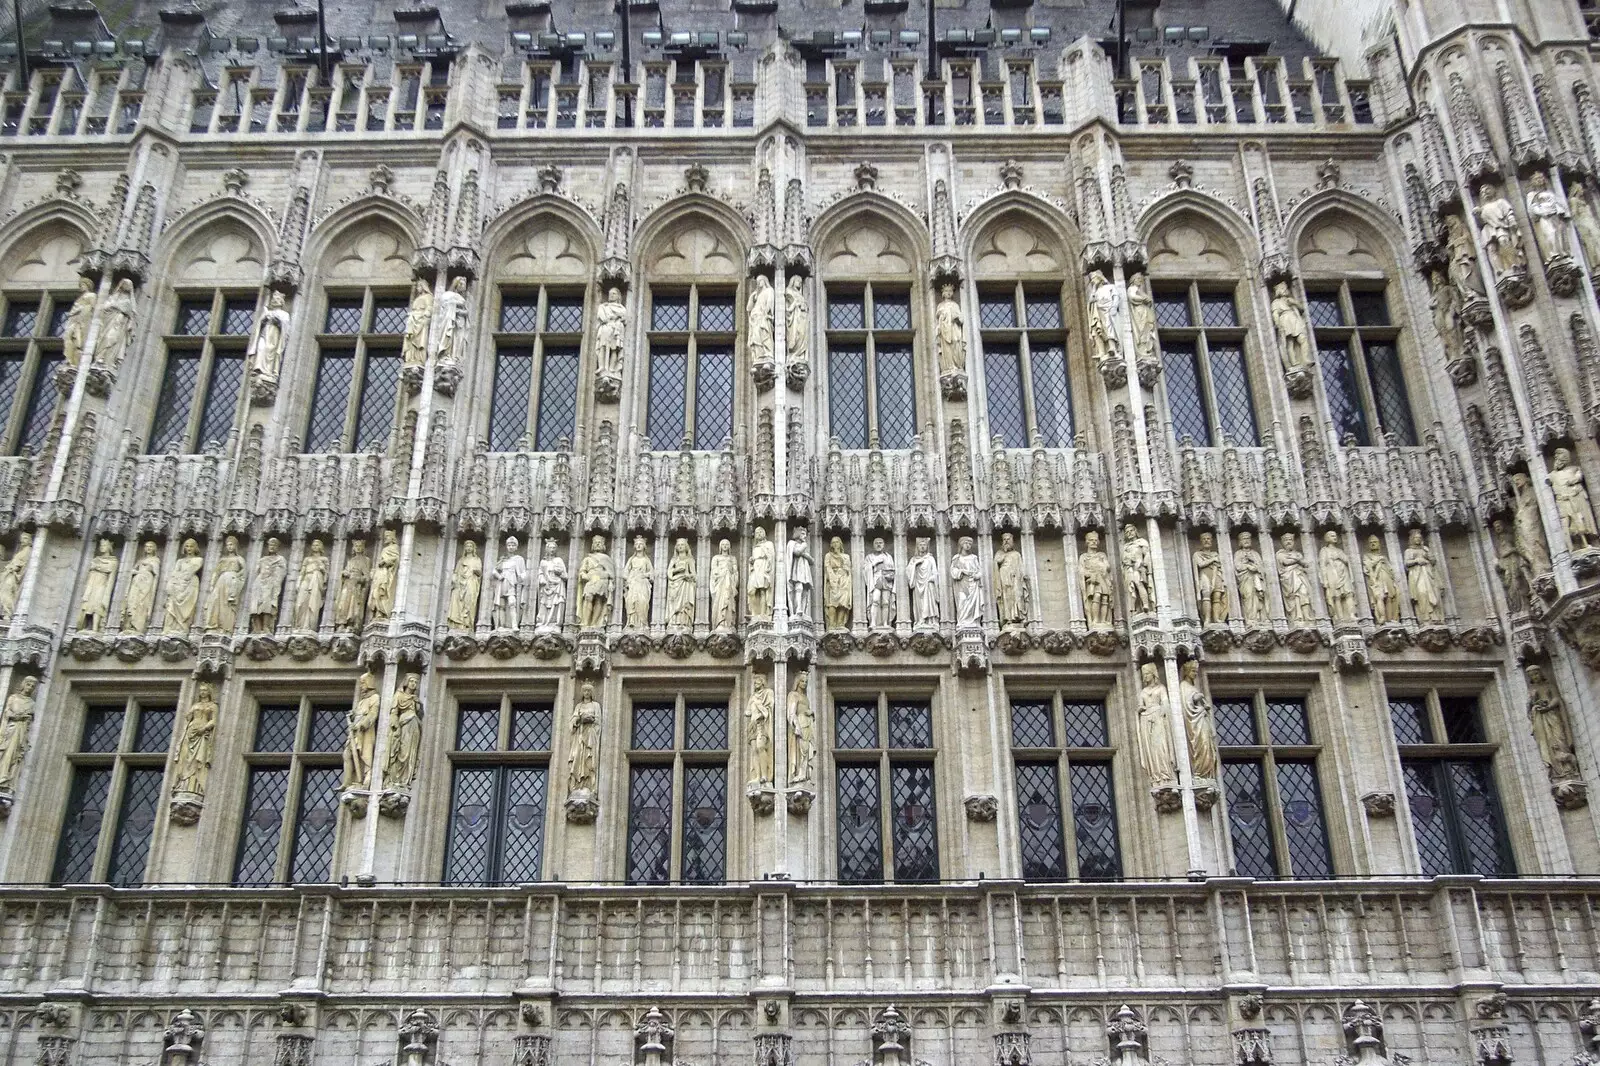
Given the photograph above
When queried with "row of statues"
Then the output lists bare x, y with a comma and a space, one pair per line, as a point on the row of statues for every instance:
760, 334
1157, 755
801, 742
361, 735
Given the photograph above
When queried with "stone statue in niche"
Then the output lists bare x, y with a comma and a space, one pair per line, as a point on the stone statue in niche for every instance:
1572, 501
1550, 216
1464, 271
1210, 587
802, 733
311, 587
222, 605
1289, 322
583, 759
449, 315
380, 600
758, 326
75, 330
191, 768
1104, 346
1338, 585
1199, 724
272, 333
1137, 577
724, 589
405, 735
758, 586
681, 585
610, 337
350, 604
922, 578
1094, 568
1155, 728
838, 586
597, 578
116, 326
1512, 565
1551, 729
877, 572
94, 609
1422, 580
1249, 570
1295, 580
797, 570
638, 584
950, 334
15, 724
1013, 598
266, 588
1497, 221
11, 575
1382, 590
1445, 303
183, 590
1586, 222
419, 322
361, 731
141, 599
796, 326
758, 732
552, 581
510, 586
966, 578
1142, 317
1529, 524
465, 584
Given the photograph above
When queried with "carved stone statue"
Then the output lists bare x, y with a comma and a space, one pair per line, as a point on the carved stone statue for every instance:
1289, 322
1199, 725
1497, 222
610, 334
1210, 586
419, 320
758, 732
1381, 587
802, 733
349, 605
724, 589
510, 587
192, 766
1249, 570
1338, 586
222, 605
95, 607
597, 578
1585, 221
266, 588
183, 590
405, 735
1422, 580
877, 572
1445, 303
1516, 572
758, 325
1142, 315
75, 330
1094, 569
552, 580
361, 732
116, 325
449, 314
380, 601
797, 568
311, 587
638, 584
838, 586
966, 581
1294, 580
758, 589
1136, 573
465, 585
950, 333
922, 577
1012, 597
796, 322
1550, 217
15, 724
1101, 320
583, 760
1551, 729
1572, 501
141, 598
11, 575
681, 586
1529, 523
1463, 260
272, 332
1155, 728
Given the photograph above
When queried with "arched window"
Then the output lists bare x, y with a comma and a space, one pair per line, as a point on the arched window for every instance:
357, 391
216, 278
38, 293
1200, 330
692, 328
1356, 333
1026, 378
872, 381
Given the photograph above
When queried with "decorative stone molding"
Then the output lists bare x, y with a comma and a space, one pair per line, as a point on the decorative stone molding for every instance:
982, 807
1378, 804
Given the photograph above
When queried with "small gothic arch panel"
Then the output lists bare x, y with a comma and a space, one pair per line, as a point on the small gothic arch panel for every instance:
1189, 244
375, 251
49, 255
1338, 244
1015, 246
694, 250
545, 247
866, 247
221, 254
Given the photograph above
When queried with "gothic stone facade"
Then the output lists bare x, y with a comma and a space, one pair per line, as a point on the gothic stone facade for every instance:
803, 562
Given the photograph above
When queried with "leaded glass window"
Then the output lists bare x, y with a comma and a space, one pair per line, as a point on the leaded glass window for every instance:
116, 794
872, 380
1062, 751
30, 349
1025, 371
1447, 763
1204, 367
885, 794
291, 815
692, 374
1357, 347
536, 370
1272, 795
357, 393
204, 373
678, 791
499, 789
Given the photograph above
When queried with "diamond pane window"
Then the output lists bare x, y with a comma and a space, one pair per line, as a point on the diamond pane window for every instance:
1044, 856
13, 369
375, 418
120, 766
276, 727
1286, 721
519, 314
846, 312
997, 312
871, 368
222, 400
1389, 392
669, 397
1363, 376
535, 391
897, 397
1044, 311
558, 398
1302, 819
58, 317
497, 806
857, 725
508, 406
389, 316
291, 810
327, 729
1172, 310
1032, 725
263, 826
650, 824
102, 729
564, 314
1236, 722
1069, 797
531, 726
1231, 386
154, 734
472, 806
1026, 373
329, 402
344, 316
1344, 399
1217, 309
677, 813
891, 312
1184, 401
1084, 724
194, 318
847, 396
910, 725
1253, 854
1430, 822
1461, 722
357, 397
705, 829
1094, 819
80, 835
670, 314
1207, 377
41, 404
652, 727
205, 363
175, 401
130, 848
716, 314
1052, 394
21, 318
238, 316
1410, 720
315, 821
1456, 816
478, 727
1002, 372
860, 824
1271, 786
1323, 310
912, 822
1370, 307
879, 785
713, 398
705, 727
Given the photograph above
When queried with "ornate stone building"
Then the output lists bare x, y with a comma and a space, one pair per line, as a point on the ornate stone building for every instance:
800, 535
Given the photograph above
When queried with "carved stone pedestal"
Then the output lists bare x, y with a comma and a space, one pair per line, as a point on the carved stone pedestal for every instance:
953, 385
799, 799
446, 376
263, 391
186, 807
411, 379
102, 379
1563, 274
394, 802
1168, 798
583, 806
761, 797
1299, 380
1515, 289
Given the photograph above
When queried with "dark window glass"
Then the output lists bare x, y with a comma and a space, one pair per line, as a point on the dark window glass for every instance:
522, 823
564, 314
263, 824
670, 313
1461, 722
329, 400
1344, 401
175, 401
997, 312
891, 312
531, 726
1044, 311
275, 728
910, 725
318, 817
1430, 819
1286, 721
1323, 310
478, 727
1303, 824
913, 823
222, 399
1370, 307
1236, 722
1484, 849
1253, 851
1231, 383
1389, 392
713, 397
375, 420
344, 316
141, 799
1216, 309
897, 398
652, 727
102, 729
496, 825
1032, 725
21, 318
856, 725
1002, 376
860, 824
389, 316
11, 368
80, 835
41, 404
508, 407
237, 317
705, 727
194, 318
847, 396
1094, 817
558, 398
1172, 310
327, 729
847, 312
519, 314
1052, 394
649, 824
669, 395
705, 827
154, 734
1044, 856
1410, 719
716, 314
1184, 401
